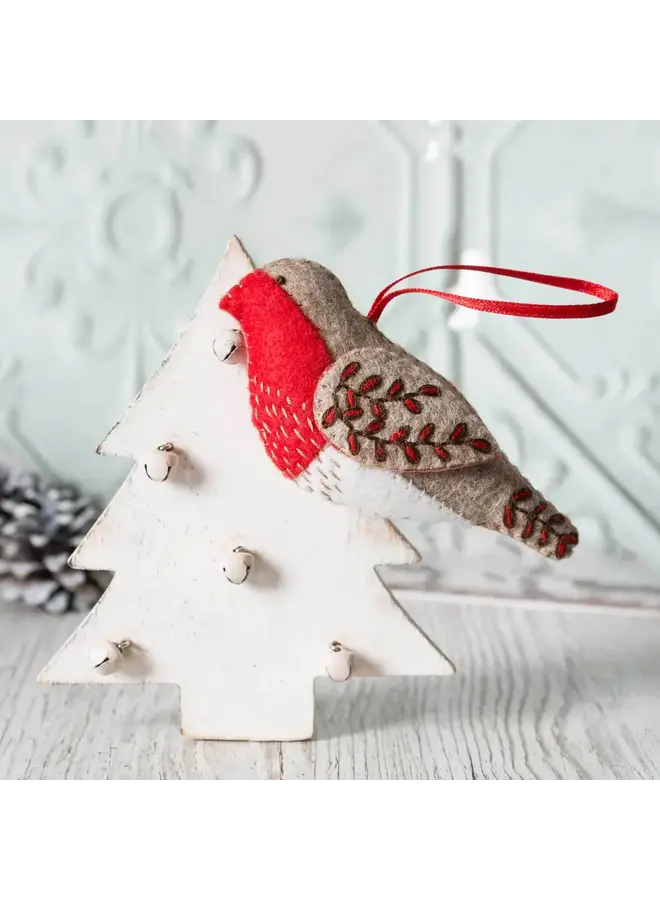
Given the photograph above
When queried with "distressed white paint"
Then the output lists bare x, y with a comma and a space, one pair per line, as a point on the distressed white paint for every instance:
245, 656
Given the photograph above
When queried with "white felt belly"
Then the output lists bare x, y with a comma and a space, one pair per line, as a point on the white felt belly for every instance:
343, 480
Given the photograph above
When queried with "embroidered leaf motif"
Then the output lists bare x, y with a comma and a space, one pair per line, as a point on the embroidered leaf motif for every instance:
426, 433
571, 538
374, 426
481, 445
377, 409
560, 552
412, 405
429, 390
458, 432
400, 435
508, 518
350, 369
329, 416
543, 538
353, 444
411, 452
350, 397
370, 383
379, 451
528, 530
395, 388
539, 509
556, 519
522, 494
353, 413
441, 452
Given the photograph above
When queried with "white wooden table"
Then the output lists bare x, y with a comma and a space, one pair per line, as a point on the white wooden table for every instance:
539, 694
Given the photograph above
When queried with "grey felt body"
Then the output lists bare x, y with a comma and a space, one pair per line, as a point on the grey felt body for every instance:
481, 494
481, 490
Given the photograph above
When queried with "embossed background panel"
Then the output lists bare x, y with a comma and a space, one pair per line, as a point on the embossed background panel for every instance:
110, 231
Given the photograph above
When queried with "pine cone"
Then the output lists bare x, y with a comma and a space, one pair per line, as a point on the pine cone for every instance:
40, 526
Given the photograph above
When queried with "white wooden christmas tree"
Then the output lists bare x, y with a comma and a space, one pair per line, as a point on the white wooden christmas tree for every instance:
304, 599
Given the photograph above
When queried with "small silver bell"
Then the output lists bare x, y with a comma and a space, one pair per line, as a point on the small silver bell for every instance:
226, 345
237, 565
159, 463
338, 666
107, 656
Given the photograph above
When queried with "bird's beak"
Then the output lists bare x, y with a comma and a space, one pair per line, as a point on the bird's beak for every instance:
245, 294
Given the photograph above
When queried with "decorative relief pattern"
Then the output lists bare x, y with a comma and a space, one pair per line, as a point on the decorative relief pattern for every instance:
109, 232
15, 446
535, 208
121, 220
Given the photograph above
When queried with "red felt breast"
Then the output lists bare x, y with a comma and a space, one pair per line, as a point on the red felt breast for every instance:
286, 358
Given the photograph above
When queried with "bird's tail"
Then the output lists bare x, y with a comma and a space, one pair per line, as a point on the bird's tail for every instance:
496, 496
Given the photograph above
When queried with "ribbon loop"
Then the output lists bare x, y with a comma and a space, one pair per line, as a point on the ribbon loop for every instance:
607, 298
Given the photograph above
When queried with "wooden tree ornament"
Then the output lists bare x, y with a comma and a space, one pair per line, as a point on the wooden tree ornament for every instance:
229, 580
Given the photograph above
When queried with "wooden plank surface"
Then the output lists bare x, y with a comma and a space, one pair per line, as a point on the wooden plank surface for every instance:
548, 694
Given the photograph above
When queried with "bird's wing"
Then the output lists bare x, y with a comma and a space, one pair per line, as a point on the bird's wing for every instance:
391, 411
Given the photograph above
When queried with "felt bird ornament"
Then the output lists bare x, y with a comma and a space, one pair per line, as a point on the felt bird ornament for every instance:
348, 414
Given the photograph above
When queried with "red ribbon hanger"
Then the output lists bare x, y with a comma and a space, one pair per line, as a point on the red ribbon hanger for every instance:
607, 298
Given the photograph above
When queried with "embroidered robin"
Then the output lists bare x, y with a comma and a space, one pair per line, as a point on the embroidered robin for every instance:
348, 414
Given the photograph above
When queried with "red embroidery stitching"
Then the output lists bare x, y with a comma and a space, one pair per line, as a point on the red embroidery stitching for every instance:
329, 416
369, 384
395, 388
401, 437
350, 369
514, 509
412, 453
353, 413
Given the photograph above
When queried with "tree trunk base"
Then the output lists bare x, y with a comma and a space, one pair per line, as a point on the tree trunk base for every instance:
245, 712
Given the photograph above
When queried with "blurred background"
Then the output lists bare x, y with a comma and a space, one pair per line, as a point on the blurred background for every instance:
110, 231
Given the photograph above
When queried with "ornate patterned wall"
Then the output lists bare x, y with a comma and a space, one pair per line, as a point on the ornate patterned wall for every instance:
109, 232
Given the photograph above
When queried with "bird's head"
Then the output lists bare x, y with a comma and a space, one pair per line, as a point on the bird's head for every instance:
309, 284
